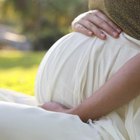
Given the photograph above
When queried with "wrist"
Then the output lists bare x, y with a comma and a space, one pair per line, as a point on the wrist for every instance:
75, 111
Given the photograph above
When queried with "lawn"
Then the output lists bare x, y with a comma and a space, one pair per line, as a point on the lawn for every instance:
18, 70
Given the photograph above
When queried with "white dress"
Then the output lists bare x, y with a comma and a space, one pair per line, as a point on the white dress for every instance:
73, 69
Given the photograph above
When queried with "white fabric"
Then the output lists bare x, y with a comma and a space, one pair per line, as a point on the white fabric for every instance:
16, 97
73, 69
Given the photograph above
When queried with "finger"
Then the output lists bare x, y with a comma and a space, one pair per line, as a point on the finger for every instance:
103, 25
82, 29
95, 30
105, 18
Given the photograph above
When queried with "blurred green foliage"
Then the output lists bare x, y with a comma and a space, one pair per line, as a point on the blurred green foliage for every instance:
42, 21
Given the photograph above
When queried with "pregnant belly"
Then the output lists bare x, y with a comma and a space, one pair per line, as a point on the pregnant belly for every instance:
77, 65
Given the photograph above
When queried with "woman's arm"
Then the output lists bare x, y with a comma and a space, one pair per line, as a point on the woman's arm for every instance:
119, 90
96, 23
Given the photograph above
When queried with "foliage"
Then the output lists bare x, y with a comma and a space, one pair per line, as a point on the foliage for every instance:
45, 20
18, 70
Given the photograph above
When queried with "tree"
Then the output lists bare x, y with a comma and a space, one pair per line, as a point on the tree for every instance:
41, 20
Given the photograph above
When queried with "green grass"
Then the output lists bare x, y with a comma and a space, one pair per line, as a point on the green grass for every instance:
18, 70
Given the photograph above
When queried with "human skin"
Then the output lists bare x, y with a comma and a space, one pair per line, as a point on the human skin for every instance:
117, 91
94, 22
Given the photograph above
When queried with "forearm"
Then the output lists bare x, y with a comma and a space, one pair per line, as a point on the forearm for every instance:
119, 90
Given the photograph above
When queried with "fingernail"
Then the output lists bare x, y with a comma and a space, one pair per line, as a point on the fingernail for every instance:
118, 30
90, 33
115, 34
103, 35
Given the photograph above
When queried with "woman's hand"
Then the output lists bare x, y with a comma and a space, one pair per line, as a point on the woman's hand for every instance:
54, 106
95, 23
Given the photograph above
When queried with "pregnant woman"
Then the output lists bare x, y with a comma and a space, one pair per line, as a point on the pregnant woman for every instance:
85, 79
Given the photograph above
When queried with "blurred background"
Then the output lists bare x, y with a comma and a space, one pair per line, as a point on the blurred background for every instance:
28, 28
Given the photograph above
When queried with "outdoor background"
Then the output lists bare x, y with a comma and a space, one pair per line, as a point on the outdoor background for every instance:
28, 28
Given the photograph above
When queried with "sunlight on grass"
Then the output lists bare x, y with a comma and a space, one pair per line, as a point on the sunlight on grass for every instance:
18, 70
